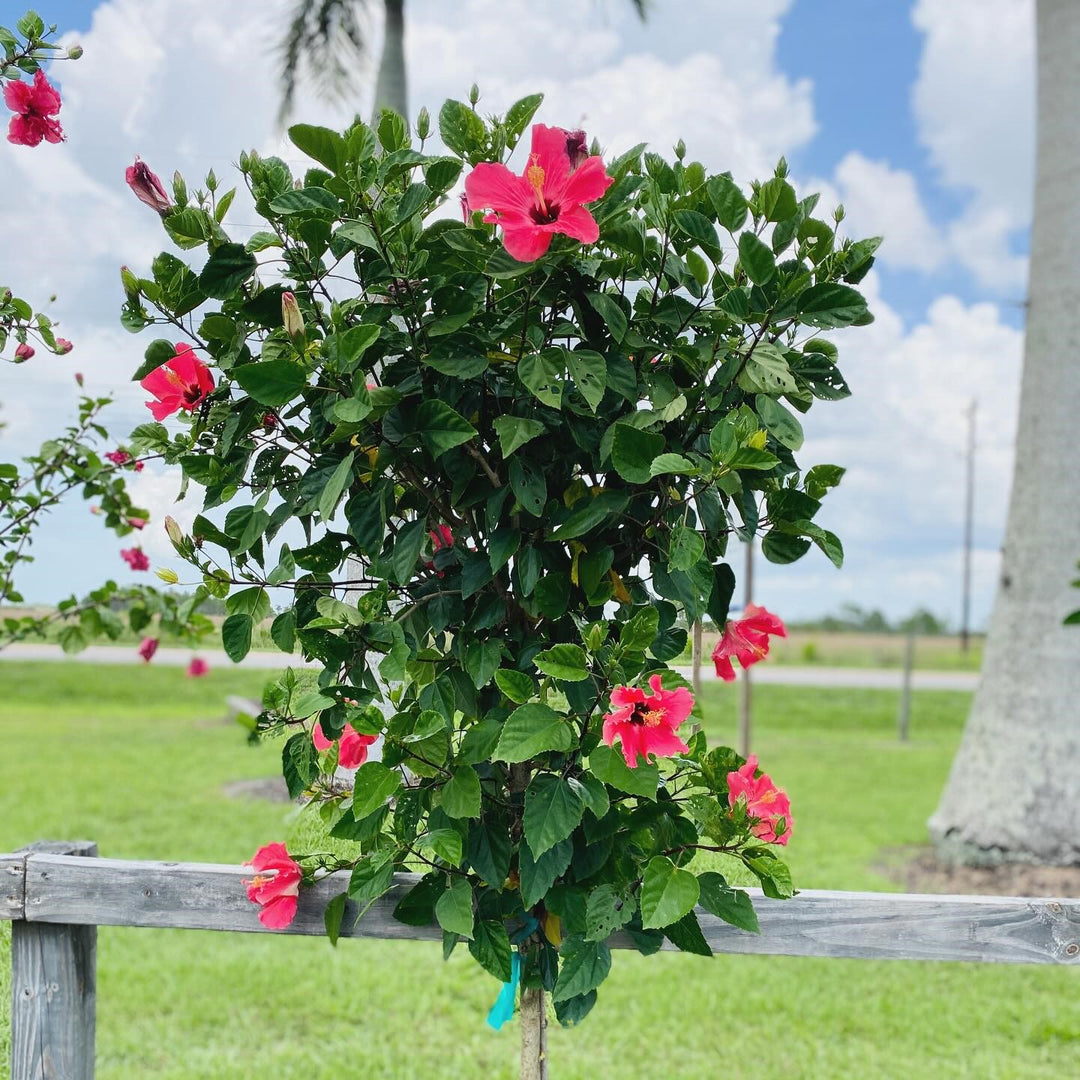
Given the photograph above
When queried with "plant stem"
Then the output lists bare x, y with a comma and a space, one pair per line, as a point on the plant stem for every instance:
533, 1035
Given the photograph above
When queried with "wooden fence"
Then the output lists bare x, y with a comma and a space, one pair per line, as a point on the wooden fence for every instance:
59, 893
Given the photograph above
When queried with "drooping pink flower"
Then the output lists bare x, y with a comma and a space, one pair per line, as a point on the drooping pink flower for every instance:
135, 558
63, 346
577, 148
79, 378
139, 466
147, 186
767, 806
746, 638
35, 105
137, 522
197, 668
441, 537
180, 383
118, 457
352, 746
24, 352
646, 723
548, 198
147, 648
275, 886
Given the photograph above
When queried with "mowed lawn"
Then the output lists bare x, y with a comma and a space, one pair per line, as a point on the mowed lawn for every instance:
136, 760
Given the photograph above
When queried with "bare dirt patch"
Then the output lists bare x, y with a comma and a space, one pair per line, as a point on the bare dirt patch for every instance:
919, 871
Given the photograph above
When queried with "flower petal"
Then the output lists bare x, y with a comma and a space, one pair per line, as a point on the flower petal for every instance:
588, 182
577, 222
493, 186
278, 913
549, 150
526, 243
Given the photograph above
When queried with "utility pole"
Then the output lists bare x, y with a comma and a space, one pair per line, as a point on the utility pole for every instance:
745, 717
969, 514
695, 659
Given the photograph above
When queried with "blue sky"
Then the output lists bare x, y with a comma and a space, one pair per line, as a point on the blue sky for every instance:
917, 115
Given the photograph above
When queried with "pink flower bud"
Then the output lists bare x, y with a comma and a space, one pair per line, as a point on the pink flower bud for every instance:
577, 148
147, 648
63, 346
147, 187
23, 352
79, 377
290, 314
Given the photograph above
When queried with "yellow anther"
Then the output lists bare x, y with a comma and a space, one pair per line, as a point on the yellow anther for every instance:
535, 175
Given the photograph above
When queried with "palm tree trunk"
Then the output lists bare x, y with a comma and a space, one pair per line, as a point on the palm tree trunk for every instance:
390, 86
1014, 791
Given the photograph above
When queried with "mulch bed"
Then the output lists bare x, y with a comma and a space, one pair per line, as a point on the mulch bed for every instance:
919, 871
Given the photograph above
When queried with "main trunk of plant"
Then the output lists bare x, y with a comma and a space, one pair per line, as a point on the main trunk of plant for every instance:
533, 1035
390, 86
1014, 790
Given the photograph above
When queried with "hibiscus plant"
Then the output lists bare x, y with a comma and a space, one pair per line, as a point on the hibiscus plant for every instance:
487, 465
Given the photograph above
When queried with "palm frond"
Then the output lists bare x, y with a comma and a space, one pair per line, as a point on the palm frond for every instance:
326, 39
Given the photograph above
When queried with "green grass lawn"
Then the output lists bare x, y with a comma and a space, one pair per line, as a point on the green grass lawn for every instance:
136, 759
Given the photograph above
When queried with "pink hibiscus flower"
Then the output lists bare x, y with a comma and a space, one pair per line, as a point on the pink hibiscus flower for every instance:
197, 668
180, 383
147, 186
118, 457
135, 558
646, 723
137, 522
548, 198
275, 886
63, 346
24, 352
35, 105
767, 806
441, 537
352, 746
148, 648
746, 638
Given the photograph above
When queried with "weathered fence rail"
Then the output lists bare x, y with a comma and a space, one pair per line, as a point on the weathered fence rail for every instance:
58, 894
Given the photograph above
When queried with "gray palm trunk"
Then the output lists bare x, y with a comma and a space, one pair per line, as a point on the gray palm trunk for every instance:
1014, 790
391, 84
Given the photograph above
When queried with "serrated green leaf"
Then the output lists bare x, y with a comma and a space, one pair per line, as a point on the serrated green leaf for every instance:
532, 730
516, 431
553, 810
667, 893
516, 685
731, 905
441, 427
583, 966
608, 765
454, 909
566, 662
373, 784
460, 796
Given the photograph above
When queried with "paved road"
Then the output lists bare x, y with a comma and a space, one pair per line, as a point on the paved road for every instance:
864, 678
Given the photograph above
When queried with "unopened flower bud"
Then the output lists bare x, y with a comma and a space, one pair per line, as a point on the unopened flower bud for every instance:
170, 577
172, 527
179, 187
290, 314
75, 52
23, 353
423, 124
839, 214
577, 147
63, 346
680, 149
79, 378
147, 186
474, 94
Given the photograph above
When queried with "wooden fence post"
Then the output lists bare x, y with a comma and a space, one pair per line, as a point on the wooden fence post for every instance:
903, 719
53, 992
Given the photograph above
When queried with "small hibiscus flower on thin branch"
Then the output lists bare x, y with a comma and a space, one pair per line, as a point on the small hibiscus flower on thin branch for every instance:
645, 723
747, 639
765, 806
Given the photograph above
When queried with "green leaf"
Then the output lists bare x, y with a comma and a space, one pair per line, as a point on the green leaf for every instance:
490, 948
607, 307
371, 878
373, 784
460, 128
271, 382
309, 200
566, 662
829, 306
583, 966
727, 201
541, 373
490, 851
515, 431
461, 793
593, 794
331, 494
299, 763
516, 685
528, 485
782, 424
699, 228
687, 548
756, 259
672, 463
226, 270
553, 809
454, 909
481, 660
767, 372
608, 765
776, 200
447, 844
607, 910
633, 452
538, 875
441, 427
410, 539
686, 935
638, 631
590, 513
158, 352
589, 372
323, 145
517, 120
731, 905
532, 730
667, 893
236, 636
502, 546
332, 916
283, 631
